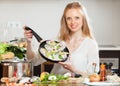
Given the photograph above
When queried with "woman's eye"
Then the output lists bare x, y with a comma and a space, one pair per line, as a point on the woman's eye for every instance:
77, 17
68, 18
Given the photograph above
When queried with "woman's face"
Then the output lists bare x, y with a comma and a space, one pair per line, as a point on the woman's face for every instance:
74, 19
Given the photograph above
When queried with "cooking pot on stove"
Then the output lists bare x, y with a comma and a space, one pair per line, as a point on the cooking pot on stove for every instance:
16, 69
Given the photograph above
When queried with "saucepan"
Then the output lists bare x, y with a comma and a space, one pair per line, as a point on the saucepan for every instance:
51, 50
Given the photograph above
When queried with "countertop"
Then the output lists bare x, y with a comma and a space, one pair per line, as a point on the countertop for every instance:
109, 47
80, 84
77, 84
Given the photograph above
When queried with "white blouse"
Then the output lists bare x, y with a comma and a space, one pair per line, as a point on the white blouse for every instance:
82, 58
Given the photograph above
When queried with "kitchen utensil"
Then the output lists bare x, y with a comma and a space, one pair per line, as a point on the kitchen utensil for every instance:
15, 68
42, 45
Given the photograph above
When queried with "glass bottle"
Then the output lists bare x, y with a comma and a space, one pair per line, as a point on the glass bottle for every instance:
102, 72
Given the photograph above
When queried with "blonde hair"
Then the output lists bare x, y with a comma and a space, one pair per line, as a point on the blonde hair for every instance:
65, 32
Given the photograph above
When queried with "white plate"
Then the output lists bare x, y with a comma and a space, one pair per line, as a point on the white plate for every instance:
102, 84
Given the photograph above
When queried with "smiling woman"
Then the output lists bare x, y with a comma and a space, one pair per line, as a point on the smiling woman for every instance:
76, 34
23, 10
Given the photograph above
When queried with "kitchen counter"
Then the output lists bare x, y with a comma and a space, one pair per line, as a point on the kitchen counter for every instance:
80, 84
77, 84
109, 47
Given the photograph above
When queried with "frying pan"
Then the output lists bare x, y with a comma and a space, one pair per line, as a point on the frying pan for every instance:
42, 45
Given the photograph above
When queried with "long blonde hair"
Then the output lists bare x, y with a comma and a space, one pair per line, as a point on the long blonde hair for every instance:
65, 32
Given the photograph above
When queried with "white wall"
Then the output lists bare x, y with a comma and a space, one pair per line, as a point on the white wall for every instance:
44, 17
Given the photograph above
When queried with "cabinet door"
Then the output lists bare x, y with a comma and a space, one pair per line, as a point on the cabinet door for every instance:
45, 67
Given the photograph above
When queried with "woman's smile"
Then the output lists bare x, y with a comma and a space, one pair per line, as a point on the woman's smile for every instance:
73, 26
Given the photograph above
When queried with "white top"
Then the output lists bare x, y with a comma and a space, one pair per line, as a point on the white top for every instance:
82, 58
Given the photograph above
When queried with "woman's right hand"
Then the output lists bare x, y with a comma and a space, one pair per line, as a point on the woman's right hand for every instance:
27, 34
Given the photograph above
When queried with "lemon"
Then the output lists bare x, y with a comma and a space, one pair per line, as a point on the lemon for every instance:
42, 75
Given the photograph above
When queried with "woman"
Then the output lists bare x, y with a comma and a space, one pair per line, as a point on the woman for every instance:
75, 32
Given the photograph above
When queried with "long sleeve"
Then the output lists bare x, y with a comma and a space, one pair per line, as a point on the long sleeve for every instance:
38, 59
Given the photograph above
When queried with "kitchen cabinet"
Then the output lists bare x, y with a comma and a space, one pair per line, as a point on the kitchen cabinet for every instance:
47, 67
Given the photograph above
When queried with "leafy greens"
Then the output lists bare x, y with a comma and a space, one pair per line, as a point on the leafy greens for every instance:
18, 51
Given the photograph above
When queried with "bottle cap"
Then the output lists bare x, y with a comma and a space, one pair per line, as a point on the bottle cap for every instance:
102, 66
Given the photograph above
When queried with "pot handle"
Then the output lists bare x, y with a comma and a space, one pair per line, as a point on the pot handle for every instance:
34, 33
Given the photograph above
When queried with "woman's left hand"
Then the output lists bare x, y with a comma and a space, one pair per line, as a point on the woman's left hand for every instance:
68, 65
